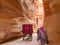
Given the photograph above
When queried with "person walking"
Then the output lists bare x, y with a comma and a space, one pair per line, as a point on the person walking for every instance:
42, 36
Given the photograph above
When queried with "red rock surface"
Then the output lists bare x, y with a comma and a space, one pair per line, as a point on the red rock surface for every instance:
52, 20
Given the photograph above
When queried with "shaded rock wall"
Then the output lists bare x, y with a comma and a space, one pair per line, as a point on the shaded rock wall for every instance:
52, 20
12, 15
10, 9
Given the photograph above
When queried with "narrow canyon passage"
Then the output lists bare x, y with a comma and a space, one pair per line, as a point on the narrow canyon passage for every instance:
20, 41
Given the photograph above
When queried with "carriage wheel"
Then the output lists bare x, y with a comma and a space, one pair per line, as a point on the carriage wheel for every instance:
31, 37
24, 36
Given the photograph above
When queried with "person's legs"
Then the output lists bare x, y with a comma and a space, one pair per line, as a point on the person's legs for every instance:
42, 42
38, 36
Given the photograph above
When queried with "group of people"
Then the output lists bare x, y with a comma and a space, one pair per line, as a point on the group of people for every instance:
42, 36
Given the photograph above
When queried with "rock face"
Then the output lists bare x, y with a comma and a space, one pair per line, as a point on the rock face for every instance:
10, 9
14, 13
52, 20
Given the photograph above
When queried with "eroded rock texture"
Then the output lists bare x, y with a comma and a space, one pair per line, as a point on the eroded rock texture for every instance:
14, 13
52, 20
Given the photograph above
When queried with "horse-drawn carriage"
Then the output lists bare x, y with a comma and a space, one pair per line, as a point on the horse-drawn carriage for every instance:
27, 29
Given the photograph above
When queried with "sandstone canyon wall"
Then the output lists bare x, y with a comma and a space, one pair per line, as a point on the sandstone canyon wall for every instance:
14, 13
52, 20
